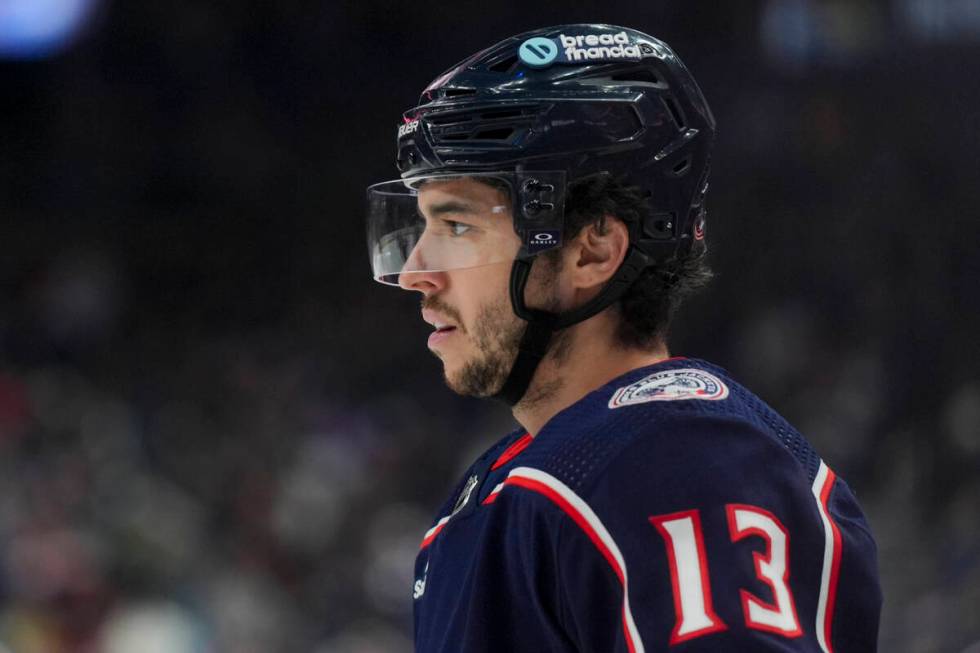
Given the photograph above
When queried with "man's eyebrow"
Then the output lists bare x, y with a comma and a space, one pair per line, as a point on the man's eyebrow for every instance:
450, 206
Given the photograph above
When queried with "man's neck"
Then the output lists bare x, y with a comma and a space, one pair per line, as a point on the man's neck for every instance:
591, 359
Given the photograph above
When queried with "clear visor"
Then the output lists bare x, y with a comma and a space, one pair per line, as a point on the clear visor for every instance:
444, 222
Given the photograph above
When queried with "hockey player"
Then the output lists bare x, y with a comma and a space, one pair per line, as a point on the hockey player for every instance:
550, 211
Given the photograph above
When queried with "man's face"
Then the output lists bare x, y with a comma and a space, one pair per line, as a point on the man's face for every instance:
469, 224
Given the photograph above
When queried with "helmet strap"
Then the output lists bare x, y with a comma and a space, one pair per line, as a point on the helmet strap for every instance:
543, 324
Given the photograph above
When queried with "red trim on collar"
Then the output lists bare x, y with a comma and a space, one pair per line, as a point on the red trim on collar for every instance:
511, 452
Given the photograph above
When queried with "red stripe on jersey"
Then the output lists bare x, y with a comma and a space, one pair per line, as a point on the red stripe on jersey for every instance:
828, 485
511, 452
590, 524
433, 532
555, 491
570, 510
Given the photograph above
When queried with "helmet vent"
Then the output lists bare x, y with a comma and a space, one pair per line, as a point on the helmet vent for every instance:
449, 118
457, 92
502, 113
498, 125
681, 168
500, 134
644, 75
505, 65
675, 112
470, 116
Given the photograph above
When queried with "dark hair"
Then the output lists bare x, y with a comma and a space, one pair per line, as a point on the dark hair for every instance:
647, 308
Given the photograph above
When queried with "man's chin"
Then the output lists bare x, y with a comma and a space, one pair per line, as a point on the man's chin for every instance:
465, 387
474, 379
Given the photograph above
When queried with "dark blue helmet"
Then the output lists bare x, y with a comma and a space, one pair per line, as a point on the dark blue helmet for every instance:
585, 99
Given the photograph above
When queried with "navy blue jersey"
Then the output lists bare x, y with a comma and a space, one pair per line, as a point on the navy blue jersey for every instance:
668, 510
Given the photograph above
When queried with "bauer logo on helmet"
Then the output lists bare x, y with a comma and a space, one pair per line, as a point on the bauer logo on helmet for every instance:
407, 128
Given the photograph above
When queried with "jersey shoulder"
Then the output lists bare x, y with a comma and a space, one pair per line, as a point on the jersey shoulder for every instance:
664, 421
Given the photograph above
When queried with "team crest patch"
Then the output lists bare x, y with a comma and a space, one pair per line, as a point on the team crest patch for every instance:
671, 385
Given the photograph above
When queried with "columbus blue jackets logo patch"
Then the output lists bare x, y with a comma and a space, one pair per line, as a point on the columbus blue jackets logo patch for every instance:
671, 385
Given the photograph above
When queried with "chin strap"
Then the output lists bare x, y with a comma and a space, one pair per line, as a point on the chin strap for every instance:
541, 325
533, 347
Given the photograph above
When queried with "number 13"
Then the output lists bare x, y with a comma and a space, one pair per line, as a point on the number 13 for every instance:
692, 587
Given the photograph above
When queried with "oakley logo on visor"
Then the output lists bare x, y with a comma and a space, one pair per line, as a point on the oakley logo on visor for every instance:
541, 240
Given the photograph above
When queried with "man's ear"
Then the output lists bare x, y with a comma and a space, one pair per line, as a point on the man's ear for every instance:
597, 252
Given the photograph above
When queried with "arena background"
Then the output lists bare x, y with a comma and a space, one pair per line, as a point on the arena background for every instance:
217, 433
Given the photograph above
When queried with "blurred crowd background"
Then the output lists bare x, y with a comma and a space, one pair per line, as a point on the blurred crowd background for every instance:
218, 434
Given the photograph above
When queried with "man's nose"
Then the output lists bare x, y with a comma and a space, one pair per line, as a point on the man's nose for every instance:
415, 276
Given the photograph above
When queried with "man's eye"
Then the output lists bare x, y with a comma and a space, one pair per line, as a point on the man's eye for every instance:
457, 228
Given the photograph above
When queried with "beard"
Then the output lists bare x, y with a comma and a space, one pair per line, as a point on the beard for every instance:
496, 334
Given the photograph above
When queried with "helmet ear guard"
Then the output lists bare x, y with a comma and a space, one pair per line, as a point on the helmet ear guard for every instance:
539, 210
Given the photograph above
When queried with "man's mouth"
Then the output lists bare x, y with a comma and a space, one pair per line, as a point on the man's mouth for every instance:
441, 333
443, 328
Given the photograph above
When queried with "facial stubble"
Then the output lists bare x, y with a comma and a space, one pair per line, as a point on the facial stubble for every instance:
496, 334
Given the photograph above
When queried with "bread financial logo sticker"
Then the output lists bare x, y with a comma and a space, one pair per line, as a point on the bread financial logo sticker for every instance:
538, 52
541, 52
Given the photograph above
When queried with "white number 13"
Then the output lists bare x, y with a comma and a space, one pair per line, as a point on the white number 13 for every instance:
691, 583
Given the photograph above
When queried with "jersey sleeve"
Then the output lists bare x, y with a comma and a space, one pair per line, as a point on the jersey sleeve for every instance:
715, 540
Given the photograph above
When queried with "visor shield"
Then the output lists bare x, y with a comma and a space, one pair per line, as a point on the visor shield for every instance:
438, 223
